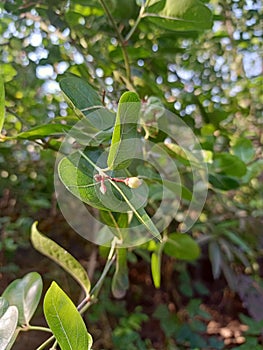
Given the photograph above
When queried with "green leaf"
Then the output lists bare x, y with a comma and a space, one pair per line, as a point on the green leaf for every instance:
77, 174
115, 221
181, 246
223, 182
253, 170
141, 215
217, 116
58, 254
156, 260
3, 306
156, 269
2, 102
65, 321
42, 131
215, 258
177, 15
85, 101
238, 241
228, 164
8, 71
255, 327
244, 150
177, 188
124, 145
120, 281
8, 324
134, 53
25, 294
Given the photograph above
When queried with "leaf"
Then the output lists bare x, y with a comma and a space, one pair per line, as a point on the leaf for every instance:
253, 170
134, 53
120, 281
215, 258
2, 102
228, 164
8, 72
223, 182
8, 324
181, 246
7, 339
85, 101
177, 188
177, 15
58, 254
238, 241
114, 221
141, 216
77, 174
42, 131
3, 306
25, 294
243, 149
65, 321
125, 143
156, 260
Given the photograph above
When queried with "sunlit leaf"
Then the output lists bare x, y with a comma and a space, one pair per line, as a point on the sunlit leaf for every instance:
8, 71
58, 254
65, 321
156, 260
3, 306
125, 142
25, 294
8, 324
42, 131
181, 246
186, 15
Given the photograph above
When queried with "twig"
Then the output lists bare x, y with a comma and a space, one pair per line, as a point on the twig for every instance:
120, 39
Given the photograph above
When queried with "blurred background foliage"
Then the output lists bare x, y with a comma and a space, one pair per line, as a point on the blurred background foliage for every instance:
211, 79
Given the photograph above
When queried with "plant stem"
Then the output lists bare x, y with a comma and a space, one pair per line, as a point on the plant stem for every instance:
129, 35
120, 39
86, 303
133, 209
43, 345
36, 328
110, 260
116, 226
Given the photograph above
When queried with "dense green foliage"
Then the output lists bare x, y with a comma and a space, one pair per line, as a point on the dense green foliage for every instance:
190, 73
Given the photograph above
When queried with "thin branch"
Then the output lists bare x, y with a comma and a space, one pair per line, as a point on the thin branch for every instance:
138, 20
120, 39
43, 345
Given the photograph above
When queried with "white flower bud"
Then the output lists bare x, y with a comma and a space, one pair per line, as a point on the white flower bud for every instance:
133, 182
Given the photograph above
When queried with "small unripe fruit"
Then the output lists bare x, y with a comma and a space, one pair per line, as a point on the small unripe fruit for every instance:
133, 182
